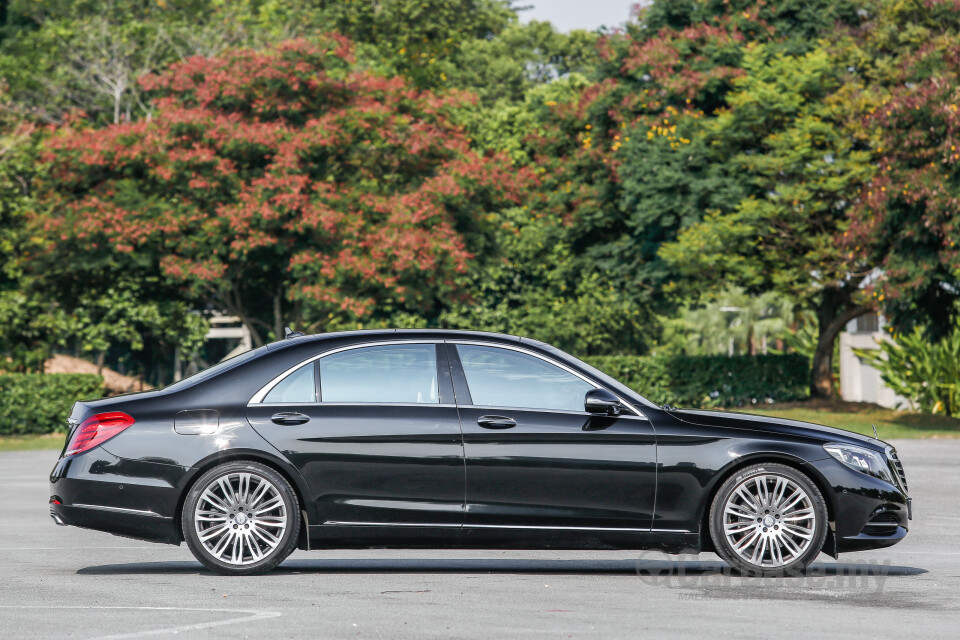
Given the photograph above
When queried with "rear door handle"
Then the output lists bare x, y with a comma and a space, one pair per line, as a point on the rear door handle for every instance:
496, 422
290, 418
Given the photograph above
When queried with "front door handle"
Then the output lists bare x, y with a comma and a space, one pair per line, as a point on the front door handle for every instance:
496, 422
289, 418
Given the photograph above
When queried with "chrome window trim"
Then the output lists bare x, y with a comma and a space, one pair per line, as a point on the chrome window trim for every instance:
548, 360
262, 393
355, 404
258, 397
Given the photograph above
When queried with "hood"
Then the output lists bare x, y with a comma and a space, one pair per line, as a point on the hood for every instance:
769, 424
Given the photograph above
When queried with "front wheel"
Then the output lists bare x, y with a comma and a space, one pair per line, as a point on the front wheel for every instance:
768, 519
241, 518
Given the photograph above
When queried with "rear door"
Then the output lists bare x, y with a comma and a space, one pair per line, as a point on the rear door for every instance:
375, 432
535, 458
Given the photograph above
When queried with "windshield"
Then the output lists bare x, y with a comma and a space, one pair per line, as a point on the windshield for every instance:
209, 372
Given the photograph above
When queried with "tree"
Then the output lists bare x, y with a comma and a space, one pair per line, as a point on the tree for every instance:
785, 133
282, 185
906, 221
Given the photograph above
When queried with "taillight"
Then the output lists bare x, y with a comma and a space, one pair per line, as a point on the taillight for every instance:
96, 430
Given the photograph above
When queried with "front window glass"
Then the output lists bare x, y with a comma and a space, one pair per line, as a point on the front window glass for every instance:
402, 373
297, 387
506, 378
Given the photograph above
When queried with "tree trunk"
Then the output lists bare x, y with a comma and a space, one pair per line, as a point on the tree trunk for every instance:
101, 358
833, 313
277, 318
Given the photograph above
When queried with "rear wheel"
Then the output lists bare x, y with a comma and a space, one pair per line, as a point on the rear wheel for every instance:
768, 519
241, 518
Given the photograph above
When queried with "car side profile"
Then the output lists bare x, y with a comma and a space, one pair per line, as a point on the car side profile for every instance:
440, 439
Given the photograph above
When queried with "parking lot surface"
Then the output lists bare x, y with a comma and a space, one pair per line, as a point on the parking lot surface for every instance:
71, 583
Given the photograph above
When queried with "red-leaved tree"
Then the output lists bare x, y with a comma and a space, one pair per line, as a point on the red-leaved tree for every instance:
282, 185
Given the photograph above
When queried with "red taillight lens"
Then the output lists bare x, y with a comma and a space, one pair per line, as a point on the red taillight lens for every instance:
96, 430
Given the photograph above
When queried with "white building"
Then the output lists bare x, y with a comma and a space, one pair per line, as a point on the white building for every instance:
859, 382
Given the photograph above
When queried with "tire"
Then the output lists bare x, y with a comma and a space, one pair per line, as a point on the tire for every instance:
241, 518
768, 520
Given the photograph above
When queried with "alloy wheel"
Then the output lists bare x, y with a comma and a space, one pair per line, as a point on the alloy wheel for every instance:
240, 518
769, 520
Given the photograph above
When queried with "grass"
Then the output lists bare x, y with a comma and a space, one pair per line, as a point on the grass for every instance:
30, 443
859, 417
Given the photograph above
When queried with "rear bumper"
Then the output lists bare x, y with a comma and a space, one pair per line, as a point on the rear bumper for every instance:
97, 490
142, 526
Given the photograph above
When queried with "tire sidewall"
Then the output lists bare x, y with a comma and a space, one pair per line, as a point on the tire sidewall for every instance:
290, 536
820, 520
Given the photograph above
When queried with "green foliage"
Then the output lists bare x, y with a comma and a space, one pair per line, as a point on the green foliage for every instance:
735, 320
41, 403
785, 140
521, 58
711, 381
927, 374
538, 288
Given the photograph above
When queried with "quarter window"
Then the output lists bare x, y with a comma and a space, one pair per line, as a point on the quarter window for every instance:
298, 387
505, 378
403, 373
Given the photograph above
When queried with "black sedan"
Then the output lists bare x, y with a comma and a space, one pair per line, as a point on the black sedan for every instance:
417, 438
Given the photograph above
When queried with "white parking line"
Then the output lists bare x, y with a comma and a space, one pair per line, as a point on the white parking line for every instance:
250, 615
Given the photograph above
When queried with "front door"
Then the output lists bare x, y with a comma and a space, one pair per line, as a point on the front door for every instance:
374, 431
535, 458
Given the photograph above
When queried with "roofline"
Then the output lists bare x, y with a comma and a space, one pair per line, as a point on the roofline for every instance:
373, 333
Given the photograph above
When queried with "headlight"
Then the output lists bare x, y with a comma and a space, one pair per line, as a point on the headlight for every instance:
872, 463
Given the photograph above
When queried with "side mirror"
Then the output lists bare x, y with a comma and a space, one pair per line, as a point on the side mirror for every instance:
601, 401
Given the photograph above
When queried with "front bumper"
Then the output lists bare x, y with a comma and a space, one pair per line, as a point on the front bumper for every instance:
868, 513
136, 499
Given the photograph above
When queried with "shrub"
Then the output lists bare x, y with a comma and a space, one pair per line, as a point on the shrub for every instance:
711, 381
40, 403
925, 373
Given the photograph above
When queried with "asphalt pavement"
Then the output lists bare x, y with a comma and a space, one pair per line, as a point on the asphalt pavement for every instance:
70, 583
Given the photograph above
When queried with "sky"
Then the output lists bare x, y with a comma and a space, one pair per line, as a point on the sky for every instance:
577, 14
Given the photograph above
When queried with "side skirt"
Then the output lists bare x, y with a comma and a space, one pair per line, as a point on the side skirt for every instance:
390, 536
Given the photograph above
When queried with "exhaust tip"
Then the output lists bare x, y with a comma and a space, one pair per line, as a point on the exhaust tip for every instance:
58, 520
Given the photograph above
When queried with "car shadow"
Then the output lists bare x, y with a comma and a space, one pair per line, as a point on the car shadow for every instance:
624, 567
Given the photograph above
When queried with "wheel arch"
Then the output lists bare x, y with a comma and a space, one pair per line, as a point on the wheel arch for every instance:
286, 471
779, 457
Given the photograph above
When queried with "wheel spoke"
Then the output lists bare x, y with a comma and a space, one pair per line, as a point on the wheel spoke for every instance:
270, 505
794, 550
737, 510
758, 551
748, 499
778, 491
794, 498
266, 536
258, 494
227, 490
213, 532
776, 550
761, 490
743, 527
745, 542
221, 546
214, 501
806, 534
